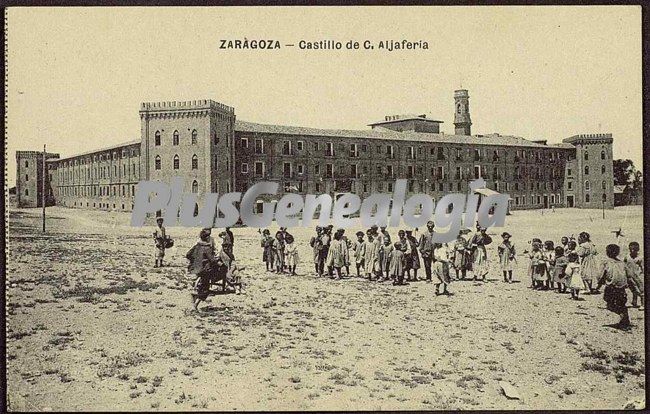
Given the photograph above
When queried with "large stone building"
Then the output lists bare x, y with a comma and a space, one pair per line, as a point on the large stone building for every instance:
202, 142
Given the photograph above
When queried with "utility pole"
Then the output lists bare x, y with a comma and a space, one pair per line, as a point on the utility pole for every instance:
43, 188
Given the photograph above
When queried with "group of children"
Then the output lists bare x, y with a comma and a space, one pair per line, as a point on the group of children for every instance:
376, 257
571, 266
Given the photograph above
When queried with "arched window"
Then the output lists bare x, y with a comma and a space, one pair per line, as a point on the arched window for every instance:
586, 155
602, 155
157, 162
175, 138
194, 137
26, 191
586, 170
157, 138
586, 198
176, 162
604, 185
602, 169
458, 109
195, 162
195, 187
587, 185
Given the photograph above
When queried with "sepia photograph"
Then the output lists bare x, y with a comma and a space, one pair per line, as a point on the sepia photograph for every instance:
324, 208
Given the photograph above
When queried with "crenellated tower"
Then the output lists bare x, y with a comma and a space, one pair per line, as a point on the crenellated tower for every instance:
462, 121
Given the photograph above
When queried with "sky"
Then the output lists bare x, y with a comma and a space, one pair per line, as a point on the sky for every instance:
76, 76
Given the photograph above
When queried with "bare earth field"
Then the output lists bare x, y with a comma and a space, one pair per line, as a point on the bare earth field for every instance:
92, 326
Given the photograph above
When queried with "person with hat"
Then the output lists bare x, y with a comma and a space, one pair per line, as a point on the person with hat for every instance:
371, 259
479, 252
202, 264
461, 255
267, 245
426, 246
506, 251
159, 235
359, 248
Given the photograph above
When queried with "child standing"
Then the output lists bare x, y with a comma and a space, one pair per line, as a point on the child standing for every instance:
159, 237
549, 261
460, 257
615, 278
559, 269
385, 255
538, 266
506, 252
291, 254
336, 256
397, 262
573, 276
267, 253
359, 252
590, 268
371, 259
636, 282
441, 268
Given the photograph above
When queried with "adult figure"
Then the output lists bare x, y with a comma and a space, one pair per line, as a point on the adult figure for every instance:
426, 246
415, 256
316, 244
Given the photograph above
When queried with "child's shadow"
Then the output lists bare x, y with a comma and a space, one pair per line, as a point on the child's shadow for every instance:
618, 327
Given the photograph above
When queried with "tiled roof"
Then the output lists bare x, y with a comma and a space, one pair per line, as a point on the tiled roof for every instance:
387, 134
407, 118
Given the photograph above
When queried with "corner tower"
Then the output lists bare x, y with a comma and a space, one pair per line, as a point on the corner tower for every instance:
462, 121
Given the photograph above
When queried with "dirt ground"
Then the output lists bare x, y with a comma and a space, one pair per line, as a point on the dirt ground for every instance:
92, 326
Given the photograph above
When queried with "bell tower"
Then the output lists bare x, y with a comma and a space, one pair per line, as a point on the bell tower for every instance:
462, 121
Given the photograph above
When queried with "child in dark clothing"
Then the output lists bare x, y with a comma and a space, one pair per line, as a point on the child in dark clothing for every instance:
615, 276
559, 268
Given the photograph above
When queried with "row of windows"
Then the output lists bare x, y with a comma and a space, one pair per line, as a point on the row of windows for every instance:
436, 172
124, 153
176, 138
603, 155
412, 152
602, 169
176, 164
99, 172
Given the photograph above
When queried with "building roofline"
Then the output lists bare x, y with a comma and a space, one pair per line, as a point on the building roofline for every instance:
112, 147
411, 118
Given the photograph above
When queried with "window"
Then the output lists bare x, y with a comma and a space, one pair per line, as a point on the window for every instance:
194, 136
317, 169
175, 138
329, 149
602, 169
411, 153
389, 151
301, 169
316, 146
259, 169
329, 170
286, 170
195, 187
176, 162
389, 171
26, 177
586, 170
569, 172
26, 192
157, 162
586, 198
586, 156
300, 145
259, 146
26, 164
286, 148
604, 185
354, 150
353, 170
195, 162
602, 155
157, 138
244, 142
587, 186
477, 171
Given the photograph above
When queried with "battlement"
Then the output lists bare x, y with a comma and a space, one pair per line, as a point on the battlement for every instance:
461, 93
185, 105
581, 138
